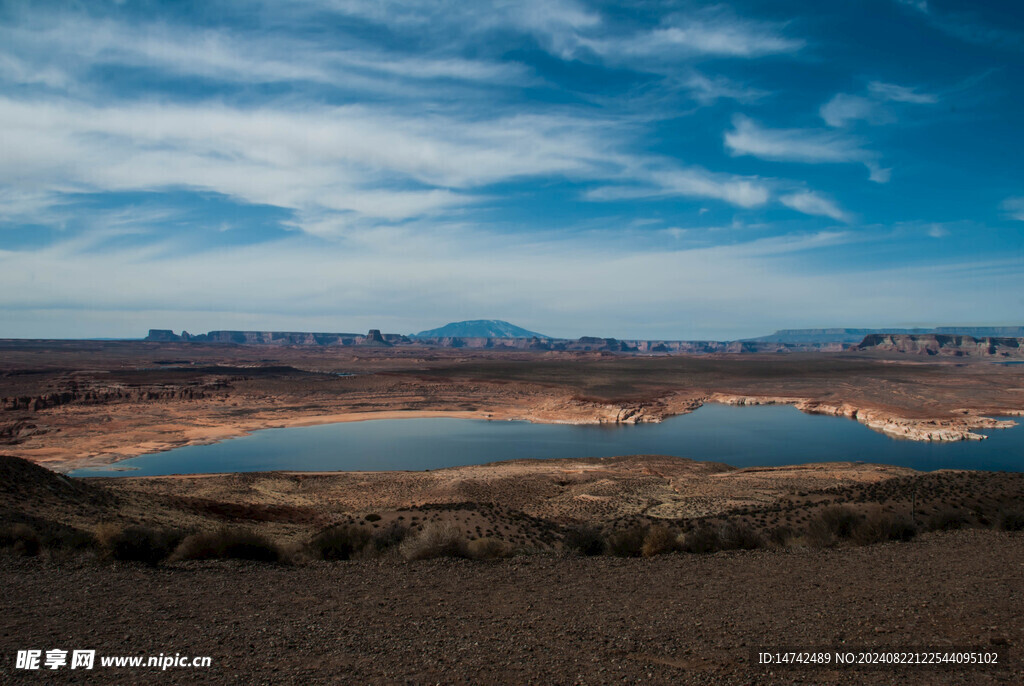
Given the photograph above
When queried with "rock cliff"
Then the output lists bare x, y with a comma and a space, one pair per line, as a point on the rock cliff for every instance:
944, 345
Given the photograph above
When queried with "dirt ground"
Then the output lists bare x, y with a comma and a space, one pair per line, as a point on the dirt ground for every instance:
691, 619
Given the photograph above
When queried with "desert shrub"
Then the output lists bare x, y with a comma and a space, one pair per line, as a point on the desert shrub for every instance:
831, 525
140, 544
702, 539
883, 527
489, 549
1011, 520
435, 540
389, 537
372, 517
341, 542
68, 539
947, 520
781, 536
228, 543
583, 540
659, 541
20, 538
738, 536
626, 542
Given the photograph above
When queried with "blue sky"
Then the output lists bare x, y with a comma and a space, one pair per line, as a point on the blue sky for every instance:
632, 169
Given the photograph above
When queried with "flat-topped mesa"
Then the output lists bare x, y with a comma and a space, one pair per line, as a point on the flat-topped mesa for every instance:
944, 345
373, 338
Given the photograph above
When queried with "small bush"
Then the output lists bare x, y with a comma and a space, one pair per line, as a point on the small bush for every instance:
732, 536
372, 517
68, 539
342, 542
1011, 520
235, 544
703, 539
389, 537
947, 520
140, 544
489, 549
831, 525
20, 538
584, 540
435, 540
659, 541
884, 527
626, 542
781, 536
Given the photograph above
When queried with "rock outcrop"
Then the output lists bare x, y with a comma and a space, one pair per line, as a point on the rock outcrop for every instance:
944, 345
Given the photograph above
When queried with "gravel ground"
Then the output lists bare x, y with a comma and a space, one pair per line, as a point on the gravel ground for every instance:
540, 619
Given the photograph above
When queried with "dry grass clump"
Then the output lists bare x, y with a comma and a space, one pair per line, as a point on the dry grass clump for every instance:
435, 540
830, 526
702, 539
228, 543
882, 527
583, 540
341, 542
626, 542
947, 520
659, 540
21, 539
1011, 520
136, 543
489, 549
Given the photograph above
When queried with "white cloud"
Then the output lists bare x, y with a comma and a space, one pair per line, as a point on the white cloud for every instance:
1014, 207
895, 93
844, 108
698, 183
811, 146
713, 31
707, 90
810, 202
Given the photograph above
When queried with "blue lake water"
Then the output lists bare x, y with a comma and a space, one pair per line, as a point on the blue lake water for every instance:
739, 436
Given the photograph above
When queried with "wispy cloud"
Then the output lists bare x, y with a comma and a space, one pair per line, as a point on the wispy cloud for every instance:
810, 202
812, 146
713, 31
1014, 208
896, 93
844, 108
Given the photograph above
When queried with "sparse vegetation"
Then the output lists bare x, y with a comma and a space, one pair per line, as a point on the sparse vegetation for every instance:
1011, 520
882, 527
341, 542
228, 543
659, 540
830, 526
489, 549
21, 539
583, 540
626, 542
701, 539
138, 544
435, 540
947, 520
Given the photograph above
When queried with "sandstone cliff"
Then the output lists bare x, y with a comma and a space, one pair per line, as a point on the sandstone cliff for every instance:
944, 345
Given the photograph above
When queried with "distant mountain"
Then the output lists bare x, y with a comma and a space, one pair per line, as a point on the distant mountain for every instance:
479, 328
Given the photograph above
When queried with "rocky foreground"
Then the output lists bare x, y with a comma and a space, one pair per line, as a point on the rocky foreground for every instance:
535, 619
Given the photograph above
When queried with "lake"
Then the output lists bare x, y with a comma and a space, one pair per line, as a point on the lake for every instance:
762, 435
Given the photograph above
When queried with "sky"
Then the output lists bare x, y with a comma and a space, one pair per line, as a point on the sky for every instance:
659, 170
